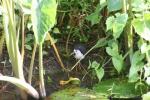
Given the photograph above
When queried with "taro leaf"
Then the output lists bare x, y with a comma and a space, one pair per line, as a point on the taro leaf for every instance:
99, 73
142, 26
116, 24
136, 65
114, 5
43, 17
118, 62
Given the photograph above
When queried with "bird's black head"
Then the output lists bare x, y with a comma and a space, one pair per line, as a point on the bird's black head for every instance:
80, 47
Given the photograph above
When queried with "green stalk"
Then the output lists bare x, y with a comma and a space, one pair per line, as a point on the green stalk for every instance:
41, 72
2, 38
129, 30
31, 64
16, 57
23, 38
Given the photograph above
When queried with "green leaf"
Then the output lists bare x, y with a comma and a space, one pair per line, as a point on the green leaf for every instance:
138, 5
146, 96
95, 17
56, 31
137, 58
119, 88
116, 24
43, 17
142, 26
138, 24
95, 65
119, 24
100, 43
112, 50
117, 29
118, 62
145, 48
109, 22
136, 65
147, 19
28, 47
99, 73
114, 5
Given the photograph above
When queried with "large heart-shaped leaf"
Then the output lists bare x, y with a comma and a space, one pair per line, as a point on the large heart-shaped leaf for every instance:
43, 17
142, 26
116, 24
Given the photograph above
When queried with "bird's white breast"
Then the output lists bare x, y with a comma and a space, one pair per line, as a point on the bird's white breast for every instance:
78, 54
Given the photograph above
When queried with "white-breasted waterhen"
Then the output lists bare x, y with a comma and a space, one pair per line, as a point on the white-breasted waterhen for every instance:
79, 51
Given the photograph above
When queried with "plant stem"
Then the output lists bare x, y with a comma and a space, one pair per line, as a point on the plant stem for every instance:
129, 31
1, 43
32, 62
68, 37
41, 72
22, 49
56, 51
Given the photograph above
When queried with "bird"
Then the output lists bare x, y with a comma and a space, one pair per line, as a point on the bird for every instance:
79, 54
79, 51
